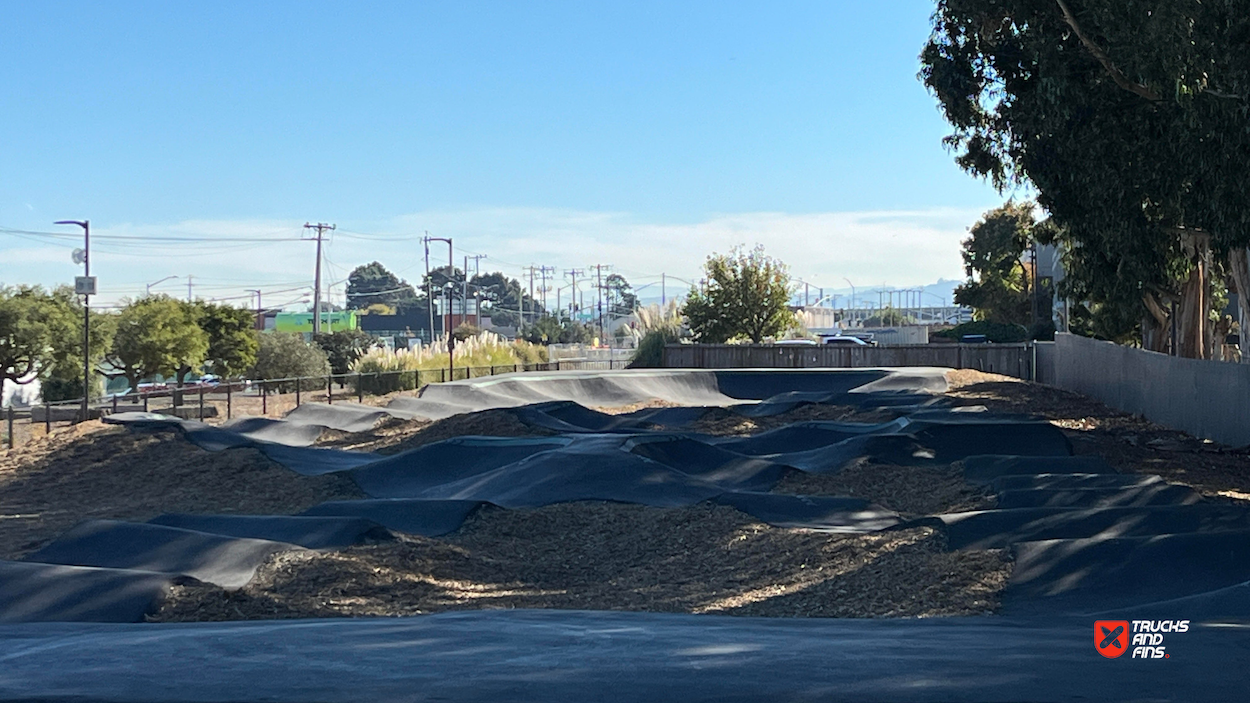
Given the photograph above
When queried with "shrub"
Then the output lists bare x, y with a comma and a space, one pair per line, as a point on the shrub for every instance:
287, 355
650, 351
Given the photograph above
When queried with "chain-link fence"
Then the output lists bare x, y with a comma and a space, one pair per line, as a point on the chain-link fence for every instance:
273, 397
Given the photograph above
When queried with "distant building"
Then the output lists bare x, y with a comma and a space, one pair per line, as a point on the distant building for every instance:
302, 322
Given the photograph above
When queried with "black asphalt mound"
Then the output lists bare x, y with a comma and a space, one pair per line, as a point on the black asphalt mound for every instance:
804, 436
991, 529
305, 531
428, 518
540, 656
55, 593
411, 473
1098, 574
987, 468
1122, 497
228, 562
689, 387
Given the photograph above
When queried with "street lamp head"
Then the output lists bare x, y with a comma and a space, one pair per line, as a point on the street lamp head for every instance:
80, 223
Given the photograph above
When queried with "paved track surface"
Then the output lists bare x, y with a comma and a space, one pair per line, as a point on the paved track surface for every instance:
572, 656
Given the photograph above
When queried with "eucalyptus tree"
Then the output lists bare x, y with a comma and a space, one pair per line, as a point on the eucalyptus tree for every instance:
1130, 119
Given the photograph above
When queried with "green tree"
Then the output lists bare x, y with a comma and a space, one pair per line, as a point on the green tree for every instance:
551, 330
156, 335
503, 299
287, 355
28, 326
998, 287
621, 299
746, 296
232, 338
344, 347
1129, 119
372, 284
64, 376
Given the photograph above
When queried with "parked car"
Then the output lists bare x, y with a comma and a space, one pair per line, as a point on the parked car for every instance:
848, 340
795, 343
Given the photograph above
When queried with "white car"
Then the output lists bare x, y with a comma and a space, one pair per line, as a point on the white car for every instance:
846, 340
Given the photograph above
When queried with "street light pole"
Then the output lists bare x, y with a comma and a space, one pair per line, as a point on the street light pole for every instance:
86, 311
167, 278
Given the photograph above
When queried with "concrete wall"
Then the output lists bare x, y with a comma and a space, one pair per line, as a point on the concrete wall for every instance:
1204, 398
1007, 359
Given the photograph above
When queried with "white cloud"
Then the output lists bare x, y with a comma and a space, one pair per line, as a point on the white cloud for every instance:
897, 248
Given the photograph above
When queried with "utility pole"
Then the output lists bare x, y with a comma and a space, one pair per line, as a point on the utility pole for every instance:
321, 228
530, 271
86, 289
542, 272
260, 320
599, 289
189, 297
477, 305
574, 273
663, 291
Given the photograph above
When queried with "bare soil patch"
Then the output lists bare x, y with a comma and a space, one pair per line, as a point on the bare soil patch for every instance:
590, 555
92, 470
1130, 443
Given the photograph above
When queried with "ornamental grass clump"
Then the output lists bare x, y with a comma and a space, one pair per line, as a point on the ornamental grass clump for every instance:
386, 370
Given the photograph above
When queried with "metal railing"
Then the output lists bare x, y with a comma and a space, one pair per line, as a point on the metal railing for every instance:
263, 397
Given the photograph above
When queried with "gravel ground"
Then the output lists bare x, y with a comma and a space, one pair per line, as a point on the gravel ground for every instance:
591, 555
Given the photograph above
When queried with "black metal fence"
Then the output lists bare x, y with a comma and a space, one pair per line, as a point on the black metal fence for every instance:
264, 397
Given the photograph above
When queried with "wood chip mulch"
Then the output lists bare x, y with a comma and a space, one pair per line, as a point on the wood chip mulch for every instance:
1130, 443
912, 491
591, 555
95, 471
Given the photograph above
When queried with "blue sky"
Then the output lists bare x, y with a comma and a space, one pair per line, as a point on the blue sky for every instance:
642, 135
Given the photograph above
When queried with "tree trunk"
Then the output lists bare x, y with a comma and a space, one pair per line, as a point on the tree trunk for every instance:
1239, 263
1155, 327
1194, 321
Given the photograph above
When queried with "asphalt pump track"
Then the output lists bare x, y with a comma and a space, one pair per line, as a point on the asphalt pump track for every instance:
1088, 543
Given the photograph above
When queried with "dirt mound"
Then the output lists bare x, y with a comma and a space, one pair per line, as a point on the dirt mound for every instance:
392, 435
93, 470
910, 490
721, 422
590, 555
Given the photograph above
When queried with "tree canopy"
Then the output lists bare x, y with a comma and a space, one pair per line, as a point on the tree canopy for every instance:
373, 284
1129, 118
232, 338
746, 296
156, 335
999, 284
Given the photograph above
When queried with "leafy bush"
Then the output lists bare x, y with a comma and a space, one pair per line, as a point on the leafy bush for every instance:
344, 347
997, 332
287, 355
650, 351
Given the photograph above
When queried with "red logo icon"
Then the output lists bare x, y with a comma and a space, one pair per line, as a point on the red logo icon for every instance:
1111, 637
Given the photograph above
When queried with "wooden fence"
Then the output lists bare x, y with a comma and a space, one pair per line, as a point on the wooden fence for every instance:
1016, 360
